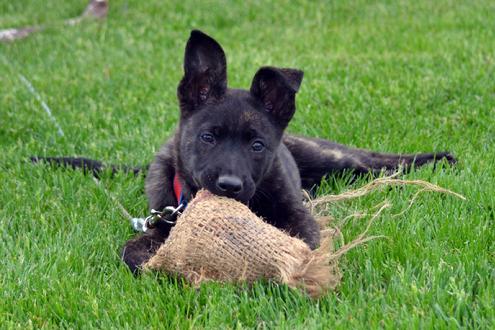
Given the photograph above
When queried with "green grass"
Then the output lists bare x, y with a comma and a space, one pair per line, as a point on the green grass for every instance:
395, 76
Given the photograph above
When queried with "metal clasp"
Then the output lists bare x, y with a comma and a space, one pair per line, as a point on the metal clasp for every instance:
168, 215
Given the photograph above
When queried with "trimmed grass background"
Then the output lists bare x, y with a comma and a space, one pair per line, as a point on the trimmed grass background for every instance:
395, 76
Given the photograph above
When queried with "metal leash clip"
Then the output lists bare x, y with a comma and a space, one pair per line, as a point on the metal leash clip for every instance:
168, 215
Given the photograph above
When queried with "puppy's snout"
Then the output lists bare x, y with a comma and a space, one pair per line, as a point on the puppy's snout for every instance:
229, 184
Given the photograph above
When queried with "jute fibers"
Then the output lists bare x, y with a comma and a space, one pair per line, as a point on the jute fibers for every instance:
221, 239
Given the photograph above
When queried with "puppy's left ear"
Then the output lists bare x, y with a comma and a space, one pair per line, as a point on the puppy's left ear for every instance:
276, 88
205, 73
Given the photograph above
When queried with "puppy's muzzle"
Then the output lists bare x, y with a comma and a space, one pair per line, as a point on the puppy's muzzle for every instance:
229, 185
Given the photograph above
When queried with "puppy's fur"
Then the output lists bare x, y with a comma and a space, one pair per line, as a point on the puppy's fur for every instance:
232, 142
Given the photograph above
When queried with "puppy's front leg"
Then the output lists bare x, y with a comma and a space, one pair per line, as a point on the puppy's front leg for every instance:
160, 192
301, 224
286, 211
140, 249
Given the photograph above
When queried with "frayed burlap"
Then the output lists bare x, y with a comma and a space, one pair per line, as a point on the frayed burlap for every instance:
220, 239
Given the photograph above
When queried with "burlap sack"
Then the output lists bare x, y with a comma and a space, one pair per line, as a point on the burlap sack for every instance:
220, 239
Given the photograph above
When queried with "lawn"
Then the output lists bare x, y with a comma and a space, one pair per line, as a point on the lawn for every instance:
394, 76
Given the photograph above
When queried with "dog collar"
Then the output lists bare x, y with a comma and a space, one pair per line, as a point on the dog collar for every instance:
169, 214
179, 194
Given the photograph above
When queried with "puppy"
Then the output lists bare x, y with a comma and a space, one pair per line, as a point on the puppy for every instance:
232, 142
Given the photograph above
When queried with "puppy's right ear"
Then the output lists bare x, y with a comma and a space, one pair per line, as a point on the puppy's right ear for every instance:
205, 73
276, 88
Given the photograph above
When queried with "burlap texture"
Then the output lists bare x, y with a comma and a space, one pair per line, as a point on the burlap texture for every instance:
220, 239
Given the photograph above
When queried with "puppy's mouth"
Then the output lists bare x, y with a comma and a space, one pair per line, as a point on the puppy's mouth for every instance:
242, 198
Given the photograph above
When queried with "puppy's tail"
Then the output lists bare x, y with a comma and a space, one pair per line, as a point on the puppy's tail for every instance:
87, 165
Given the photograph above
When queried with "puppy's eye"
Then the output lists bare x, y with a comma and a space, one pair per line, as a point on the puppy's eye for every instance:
257, 146
207, 138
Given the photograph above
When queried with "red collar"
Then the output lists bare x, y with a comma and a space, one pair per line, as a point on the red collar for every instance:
177, 188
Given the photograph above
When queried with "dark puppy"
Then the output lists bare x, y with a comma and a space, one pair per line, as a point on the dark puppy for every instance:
232, 143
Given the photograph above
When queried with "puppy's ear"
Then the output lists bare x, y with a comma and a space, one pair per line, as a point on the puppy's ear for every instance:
276, 88
205, 72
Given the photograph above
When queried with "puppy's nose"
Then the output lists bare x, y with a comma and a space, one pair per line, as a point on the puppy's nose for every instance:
229, 184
